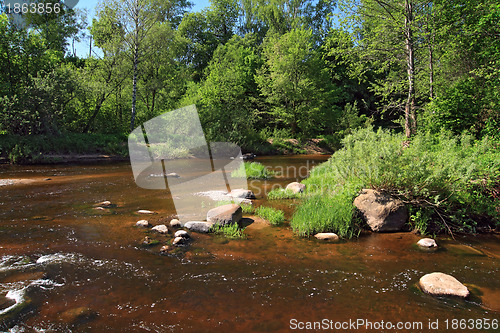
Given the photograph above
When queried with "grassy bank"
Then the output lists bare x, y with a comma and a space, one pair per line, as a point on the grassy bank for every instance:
450, 183
47, 149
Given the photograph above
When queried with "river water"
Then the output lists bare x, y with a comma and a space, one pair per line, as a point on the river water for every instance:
85, 270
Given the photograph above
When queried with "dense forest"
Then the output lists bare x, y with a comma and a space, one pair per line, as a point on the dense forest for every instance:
256, 69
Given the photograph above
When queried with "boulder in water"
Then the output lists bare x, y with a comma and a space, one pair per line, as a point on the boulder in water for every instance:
382, 212
440, 284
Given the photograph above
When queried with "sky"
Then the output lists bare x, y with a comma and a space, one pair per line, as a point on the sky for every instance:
82, 48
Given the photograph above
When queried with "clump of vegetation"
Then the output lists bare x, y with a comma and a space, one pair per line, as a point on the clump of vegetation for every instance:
247, 208
279, 194
274, 216
252, 170
448, 181
231, 231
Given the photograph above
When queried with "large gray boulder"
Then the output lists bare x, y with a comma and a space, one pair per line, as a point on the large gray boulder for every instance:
198, 226
440, 284
296, 187
227, 214
382, 212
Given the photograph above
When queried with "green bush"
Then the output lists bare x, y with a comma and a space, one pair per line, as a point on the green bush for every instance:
274, 216
252, 170
231, 231
452, 177
280, 194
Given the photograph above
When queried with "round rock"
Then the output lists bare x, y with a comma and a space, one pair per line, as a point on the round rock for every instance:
143, 224
440, 284
327, 236
296, 187
175, 223
427, 243
162, 229
178, 241
181, 233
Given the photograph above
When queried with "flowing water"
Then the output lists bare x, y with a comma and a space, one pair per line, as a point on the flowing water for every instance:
65, 266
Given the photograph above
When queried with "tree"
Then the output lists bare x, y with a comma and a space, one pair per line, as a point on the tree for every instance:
229, 97
385, 30
295, 83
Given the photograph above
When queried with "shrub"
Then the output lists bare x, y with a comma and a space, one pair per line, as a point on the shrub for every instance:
279, 194
274, 216
452, 178
252, 170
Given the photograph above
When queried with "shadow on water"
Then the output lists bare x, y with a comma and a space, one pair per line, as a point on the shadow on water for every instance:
85, 270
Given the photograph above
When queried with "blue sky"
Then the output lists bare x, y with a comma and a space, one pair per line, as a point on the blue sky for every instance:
82, 48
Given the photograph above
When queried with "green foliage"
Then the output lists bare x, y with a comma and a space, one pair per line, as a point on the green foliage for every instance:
252, 170
280, 194
454, 177
227, 98
231, 231
275, 216
295, 82
39, 148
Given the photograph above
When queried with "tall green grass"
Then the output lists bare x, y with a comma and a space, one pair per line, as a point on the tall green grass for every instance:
274, 216
452, 178
252, 170
231, 231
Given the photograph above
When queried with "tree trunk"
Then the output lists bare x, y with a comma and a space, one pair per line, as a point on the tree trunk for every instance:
410, 118
431, 70
134, 89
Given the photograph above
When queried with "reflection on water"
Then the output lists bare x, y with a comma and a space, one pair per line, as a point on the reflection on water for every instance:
58, 255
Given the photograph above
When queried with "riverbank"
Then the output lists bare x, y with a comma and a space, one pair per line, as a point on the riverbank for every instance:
96, 148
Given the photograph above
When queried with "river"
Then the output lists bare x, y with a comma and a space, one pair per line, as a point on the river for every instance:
85, 270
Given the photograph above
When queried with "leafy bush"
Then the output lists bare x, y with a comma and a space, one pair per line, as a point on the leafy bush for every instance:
452, 177
279, 194
252, 170
231, 231
274, 216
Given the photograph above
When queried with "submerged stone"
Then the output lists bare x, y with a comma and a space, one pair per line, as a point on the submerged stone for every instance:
144, 211
427, 243
327, 236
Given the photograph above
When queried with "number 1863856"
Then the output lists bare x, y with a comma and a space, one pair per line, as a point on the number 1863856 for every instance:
12, 7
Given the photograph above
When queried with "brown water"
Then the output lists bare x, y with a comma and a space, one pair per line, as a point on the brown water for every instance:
68, 255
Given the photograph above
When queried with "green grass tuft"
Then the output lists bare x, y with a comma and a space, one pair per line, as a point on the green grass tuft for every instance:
274, 216
247, 208
231, 231
252, 170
